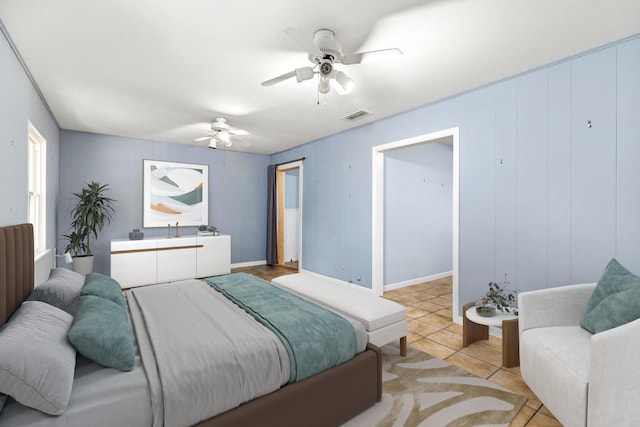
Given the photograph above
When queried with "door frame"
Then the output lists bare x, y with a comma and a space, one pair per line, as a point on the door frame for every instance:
280, 192
377, 207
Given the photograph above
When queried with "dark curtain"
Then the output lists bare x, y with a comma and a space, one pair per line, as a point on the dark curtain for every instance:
272, 217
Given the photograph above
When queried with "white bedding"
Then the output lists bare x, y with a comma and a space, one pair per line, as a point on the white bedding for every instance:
233, 359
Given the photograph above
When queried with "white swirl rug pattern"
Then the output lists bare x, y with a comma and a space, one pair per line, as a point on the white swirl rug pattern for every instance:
421, 390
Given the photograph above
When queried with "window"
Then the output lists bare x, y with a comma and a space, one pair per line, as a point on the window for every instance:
37, 187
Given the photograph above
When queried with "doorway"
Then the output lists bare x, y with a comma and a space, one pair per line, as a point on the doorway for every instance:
289, 219
377, 213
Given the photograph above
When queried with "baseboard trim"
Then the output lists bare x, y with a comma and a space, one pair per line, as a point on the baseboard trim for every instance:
248, 264
412, 282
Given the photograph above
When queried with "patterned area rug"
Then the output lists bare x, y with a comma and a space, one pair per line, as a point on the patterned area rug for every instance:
422, 390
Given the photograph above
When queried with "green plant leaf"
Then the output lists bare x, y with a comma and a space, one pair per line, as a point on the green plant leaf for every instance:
92, 210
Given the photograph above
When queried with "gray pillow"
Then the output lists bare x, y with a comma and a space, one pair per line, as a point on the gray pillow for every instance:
101, 332
36, 360
62, 289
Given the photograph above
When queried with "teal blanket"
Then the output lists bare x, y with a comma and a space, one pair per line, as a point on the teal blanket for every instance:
315, 338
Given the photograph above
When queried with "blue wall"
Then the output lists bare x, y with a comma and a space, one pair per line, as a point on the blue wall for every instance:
19, 103
237, 188
418, 212
543, 198
336, 206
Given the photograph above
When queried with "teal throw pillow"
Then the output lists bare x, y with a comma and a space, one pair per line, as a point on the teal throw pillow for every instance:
615, 300
104, 287
101, 332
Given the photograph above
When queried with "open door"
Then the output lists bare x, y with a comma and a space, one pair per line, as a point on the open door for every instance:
289, 215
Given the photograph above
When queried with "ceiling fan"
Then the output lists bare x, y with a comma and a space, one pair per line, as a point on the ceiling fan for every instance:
221, 133
324, 52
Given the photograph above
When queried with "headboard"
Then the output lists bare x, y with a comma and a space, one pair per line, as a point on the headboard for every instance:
16, 267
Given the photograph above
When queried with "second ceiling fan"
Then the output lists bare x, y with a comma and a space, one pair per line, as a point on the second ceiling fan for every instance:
324, 51
221, 133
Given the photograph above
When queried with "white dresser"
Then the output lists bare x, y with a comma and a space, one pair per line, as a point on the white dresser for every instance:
167, 259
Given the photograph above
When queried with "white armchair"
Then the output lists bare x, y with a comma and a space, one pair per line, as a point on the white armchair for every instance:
584, 379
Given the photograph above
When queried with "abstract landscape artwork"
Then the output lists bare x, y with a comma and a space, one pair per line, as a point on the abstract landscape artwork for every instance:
175, 192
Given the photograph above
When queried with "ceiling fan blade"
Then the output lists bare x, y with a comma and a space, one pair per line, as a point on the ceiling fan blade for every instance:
371, 56
303, 40
201, 139
279, 79
241, 141
238, 132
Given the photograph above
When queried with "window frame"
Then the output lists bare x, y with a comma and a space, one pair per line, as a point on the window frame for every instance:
37, 187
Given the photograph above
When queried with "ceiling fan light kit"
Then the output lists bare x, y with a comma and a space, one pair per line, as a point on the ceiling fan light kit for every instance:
303, 74
323, 85
221, 137
346, 83
326, 67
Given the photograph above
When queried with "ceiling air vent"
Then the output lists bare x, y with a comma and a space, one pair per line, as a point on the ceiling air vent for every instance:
357, 115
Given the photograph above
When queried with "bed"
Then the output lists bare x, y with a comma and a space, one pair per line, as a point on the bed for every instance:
110, 396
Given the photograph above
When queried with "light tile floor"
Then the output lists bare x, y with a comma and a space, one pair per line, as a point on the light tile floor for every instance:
432, 331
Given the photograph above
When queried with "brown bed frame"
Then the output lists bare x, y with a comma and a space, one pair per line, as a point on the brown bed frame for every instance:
326, 399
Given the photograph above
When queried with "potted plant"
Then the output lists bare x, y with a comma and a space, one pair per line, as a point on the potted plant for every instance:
497, 298
92, 210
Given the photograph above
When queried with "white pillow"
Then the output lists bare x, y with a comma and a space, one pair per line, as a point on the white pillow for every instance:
37, 361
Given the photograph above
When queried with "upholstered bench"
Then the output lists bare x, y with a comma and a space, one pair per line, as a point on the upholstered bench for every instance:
384, 320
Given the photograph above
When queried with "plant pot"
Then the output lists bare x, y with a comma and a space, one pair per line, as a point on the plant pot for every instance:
82, 264
485, 309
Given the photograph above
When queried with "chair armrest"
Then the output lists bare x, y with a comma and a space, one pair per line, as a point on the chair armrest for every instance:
614, 383
561, 306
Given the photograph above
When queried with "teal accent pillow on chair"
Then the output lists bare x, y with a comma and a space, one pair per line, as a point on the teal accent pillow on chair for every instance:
615, 300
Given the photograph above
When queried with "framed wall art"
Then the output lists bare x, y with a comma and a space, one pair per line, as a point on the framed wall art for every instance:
175, 192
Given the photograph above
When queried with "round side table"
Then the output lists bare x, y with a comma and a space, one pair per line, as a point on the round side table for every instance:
475, 327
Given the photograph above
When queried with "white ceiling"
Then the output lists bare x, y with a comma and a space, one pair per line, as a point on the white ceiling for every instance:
162, 69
